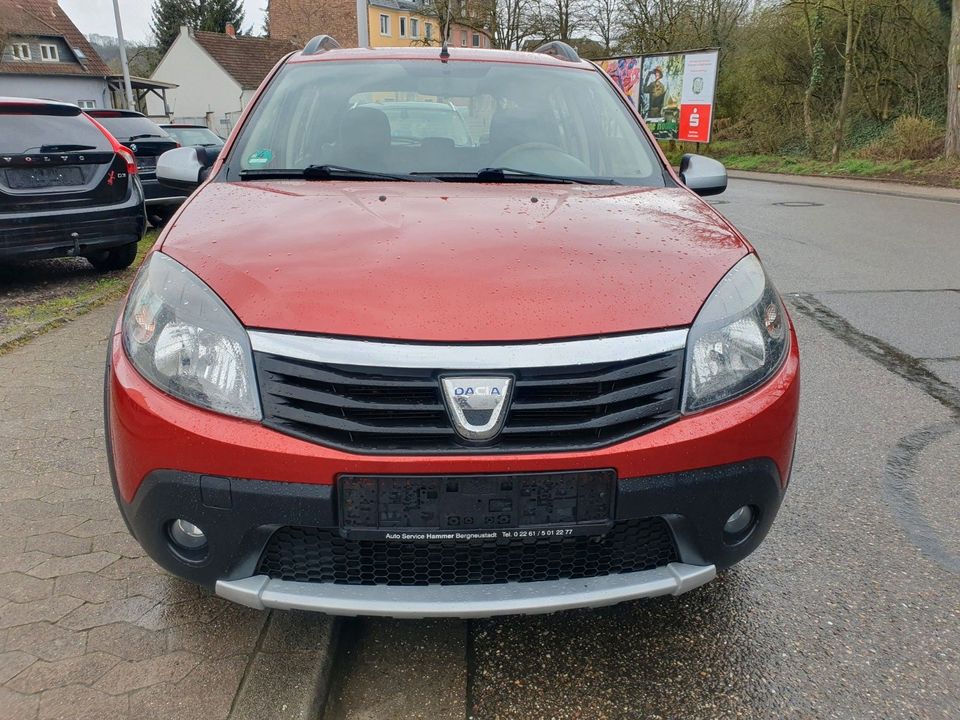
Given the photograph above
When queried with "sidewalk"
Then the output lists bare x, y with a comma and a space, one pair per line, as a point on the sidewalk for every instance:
89, 626
876, 187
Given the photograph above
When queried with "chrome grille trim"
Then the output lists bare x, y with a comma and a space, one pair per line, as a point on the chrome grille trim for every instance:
501, 356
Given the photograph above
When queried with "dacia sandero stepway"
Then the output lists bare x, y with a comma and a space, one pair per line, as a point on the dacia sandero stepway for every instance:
441, 333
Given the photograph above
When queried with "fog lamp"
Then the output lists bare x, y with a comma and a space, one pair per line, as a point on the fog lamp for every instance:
187, 535
739, 524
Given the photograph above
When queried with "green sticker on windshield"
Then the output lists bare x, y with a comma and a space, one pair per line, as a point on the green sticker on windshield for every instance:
260, 157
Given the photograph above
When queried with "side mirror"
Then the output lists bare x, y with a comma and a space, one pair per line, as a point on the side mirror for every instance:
184, 168
705, 176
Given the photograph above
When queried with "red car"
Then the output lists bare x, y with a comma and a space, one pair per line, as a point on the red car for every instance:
373, 368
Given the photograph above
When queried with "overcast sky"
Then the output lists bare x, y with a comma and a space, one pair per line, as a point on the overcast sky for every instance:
96, 16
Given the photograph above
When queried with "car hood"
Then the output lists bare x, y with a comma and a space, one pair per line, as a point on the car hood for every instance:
454, 262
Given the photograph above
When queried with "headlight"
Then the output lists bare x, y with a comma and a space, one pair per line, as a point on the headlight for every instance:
184, 339
737, 341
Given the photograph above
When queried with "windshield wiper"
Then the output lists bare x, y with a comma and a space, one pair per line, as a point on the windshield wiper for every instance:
147, 135
339, 172
64, 148
327, 172
505, 174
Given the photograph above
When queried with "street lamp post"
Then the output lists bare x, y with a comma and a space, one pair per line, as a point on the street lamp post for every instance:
128, 89
363, 29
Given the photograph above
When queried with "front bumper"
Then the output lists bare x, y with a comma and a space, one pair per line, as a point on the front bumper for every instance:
241, 515
241, 482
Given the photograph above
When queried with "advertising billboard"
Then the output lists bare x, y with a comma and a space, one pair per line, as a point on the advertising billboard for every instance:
673, 91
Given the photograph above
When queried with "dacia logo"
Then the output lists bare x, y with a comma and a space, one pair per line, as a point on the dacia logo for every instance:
477, 405
480, 390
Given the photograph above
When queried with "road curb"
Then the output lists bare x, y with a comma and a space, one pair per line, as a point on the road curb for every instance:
288, 677
872, 187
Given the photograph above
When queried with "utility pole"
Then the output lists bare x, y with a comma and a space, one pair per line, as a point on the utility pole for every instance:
123, 57
363, 29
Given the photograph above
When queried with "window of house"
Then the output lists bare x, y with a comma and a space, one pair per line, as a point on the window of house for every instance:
87, 104
476, 39
385, 25
49, 52
414, 28
21, 51
403, 27
463, 38
428, 31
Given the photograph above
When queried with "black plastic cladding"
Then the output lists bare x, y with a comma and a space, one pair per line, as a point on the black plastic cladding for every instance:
695, 504
386, 410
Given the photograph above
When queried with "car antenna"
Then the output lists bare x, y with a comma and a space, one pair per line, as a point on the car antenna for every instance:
444, 50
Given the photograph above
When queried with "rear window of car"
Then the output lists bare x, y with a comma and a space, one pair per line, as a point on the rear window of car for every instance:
415, 121
26, 130
194, 136
124, 128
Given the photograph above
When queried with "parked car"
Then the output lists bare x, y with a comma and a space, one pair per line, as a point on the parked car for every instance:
548, 376
148, 142
195, 136
67, 187
412, 121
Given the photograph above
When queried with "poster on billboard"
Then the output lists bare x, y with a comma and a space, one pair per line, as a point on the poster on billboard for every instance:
673, 91
625, 72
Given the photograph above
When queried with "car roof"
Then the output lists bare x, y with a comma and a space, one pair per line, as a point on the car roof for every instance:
115, 113
39, 103
183, 125
433, 53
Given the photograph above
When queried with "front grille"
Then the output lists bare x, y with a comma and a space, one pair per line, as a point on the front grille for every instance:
320, 555
382, 410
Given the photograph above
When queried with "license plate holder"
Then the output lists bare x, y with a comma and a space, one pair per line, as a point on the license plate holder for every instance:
471, 507
37, 178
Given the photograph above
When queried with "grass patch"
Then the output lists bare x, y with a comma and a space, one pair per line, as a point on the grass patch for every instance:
36, 297
936, 172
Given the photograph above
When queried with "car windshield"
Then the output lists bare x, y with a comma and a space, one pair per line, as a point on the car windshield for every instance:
128, 127
449, 119
194, 136
34, 130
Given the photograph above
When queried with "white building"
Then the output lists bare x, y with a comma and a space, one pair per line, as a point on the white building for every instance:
216, 75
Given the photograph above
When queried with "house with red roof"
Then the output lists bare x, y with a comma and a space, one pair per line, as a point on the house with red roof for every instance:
44, 55
215, 75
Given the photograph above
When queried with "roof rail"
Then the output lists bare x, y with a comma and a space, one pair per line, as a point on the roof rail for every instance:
559, 50
319, 44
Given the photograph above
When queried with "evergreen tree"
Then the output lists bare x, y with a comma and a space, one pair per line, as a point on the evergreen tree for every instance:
209, 15
168, 16
213, 15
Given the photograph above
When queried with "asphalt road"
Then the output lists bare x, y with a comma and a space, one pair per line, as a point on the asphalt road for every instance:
851, 607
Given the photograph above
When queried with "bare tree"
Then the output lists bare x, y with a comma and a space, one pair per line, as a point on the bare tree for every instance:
854, 25
558, 19
953, 90
511, 23
604, 20
817, 60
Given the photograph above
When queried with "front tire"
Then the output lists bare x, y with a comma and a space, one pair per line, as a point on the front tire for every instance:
116, 258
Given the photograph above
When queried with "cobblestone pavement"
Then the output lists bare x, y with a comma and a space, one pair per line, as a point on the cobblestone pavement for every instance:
89, 626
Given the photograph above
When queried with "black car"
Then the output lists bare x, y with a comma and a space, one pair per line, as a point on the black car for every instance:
67, 187
196, 136
148, 142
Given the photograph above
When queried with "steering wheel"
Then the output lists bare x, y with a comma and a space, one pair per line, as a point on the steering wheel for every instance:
543, 158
